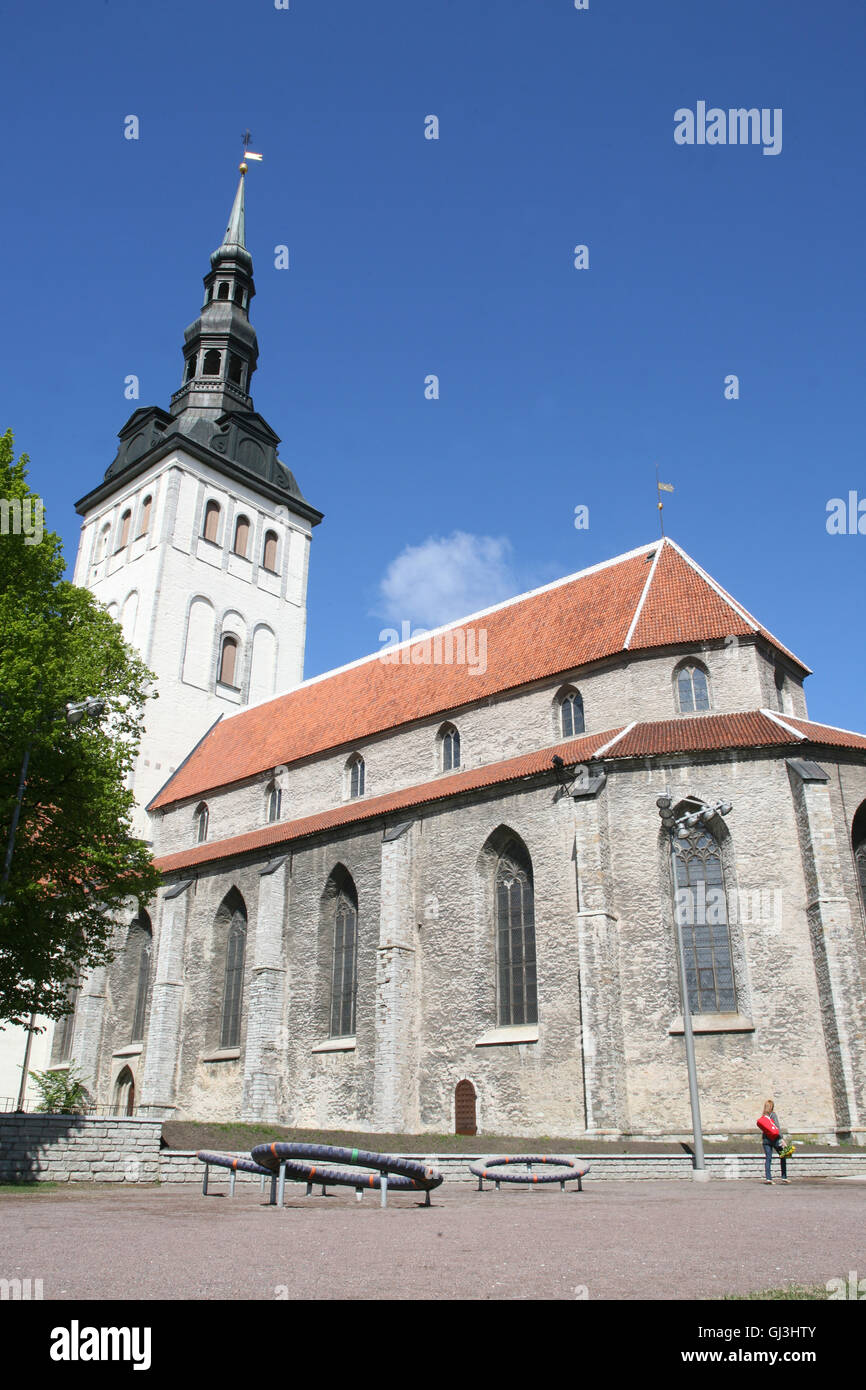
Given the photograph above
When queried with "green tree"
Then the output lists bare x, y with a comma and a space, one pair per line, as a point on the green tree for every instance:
76, 862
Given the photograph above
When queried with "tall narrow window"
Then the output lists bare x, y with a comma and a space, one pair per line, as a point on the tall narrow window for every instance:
190, 367
242, 535
144, 517
140, 942
232, 915
62, 1047
210, 530
269, 552
275, 799
344, 969
201, 820
693, 691
211, 364
515, 939
449, 739
701, 909
228, 661
223, 291
858, 845
123, 534
236, 369
355, 776
571, 714
102, 543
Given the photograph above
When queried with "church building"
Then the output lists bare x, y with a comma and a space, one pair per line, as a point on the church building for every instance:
431, 890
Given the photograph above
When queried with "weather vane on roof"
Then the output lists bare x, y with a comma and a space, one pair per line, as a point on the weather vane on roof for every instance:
247, 154
660, 488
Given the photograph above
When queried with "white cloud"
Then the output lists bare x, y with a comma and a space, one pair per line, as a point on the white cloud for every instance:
445, 578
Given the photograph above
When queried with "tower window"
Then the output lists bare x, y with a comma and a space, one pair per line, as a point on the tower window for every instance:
211, 522
102, 543
211, 364
228, 661
269, 553
223, 291
239, 295
190, 367
242, 536
123, 535
236, 369
144, 519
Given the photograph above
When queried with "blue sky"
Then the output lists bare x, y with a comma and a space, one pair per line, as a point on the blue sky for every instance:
454, 257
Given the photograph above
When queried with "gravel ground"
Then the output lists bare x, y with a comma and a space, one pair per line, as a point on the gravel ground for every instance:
660, 1240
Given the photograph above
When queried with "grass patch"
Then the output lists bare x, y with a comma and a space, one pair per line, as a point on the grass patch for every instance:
28, 1185
791, 1292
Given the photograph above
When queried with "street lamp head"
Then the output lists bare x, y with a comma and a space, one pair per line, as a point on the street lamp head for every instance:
76, 710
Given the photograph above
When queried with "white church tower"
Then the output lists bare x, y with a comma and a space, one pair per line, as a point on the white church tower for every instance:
198, 538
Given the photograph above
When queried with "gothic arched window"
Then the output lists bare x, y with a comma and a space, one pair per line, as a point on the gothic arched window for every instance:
449, 739
693, 688
701, 913
355, 776
144, 517
210, 530
571, 714
275, 801
858, 845
269, 552
228, 661
242, 535
123, 534
201, 820
139, 945
61, 1050
232, 916
102, 543
517, 998
344, 962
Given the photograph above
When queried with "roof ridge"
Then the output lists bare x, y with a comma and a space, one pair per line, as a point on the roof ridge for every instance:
819, 724
643, 597
789, 728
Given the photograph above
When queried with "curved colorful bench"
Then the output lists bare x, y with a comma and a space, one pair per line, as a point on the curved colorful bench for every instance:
497, 1170
394, 1173
234, 1165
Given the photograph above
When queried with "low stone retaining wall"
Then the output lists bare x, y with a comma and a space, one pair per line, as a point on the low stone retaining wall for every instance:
179, 1166
74, 1148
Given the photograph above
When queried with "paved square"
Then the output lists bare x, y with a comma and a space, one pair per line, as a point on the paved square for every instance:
616, 1240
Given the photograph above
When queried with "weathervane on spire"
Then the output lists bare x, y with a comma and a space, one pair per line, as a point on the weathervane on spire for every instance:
660, 488
247, 154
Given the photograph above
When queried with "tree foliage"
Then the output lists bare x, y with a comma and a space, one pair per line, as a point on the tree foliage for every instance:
76, 862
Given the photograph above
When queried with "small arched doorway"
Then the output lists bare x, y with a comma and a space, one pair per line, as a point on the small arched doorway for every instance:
465, 1114
124, 1093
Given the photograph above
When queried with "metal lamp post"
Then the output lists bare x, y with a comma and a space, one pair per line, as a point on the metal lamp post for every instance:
679, 828
74, 712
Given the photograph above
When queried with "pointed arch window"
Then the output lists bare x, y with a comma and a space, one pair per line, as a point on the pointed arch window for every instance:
228, 662
102, 543
858, 846
344, 964
275, 801
232, 915
701, 913
123, 533
571, 715
210, 530
201, 820
449, 748
124, 1093
140, 944
355, 776
211, 364
144, 517
517, 996
693, 688
62, 1047
242, 536
269, 552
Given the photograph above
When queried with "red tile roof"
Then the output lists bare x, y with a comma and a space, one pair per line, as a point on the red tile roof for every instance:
699, 733
652, 597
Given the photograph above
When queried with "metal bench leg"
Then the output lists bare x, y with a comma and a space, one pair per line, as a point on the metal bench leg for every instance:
232, 1182
204, 1181
383, 1190
281, 1194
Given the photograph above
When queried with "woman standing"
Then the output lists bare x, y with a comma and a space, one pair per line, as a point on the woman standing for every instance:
771, 1144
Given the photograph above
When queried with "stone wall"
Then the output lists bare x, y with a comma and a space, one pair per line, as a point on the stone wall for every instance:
75, 1148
